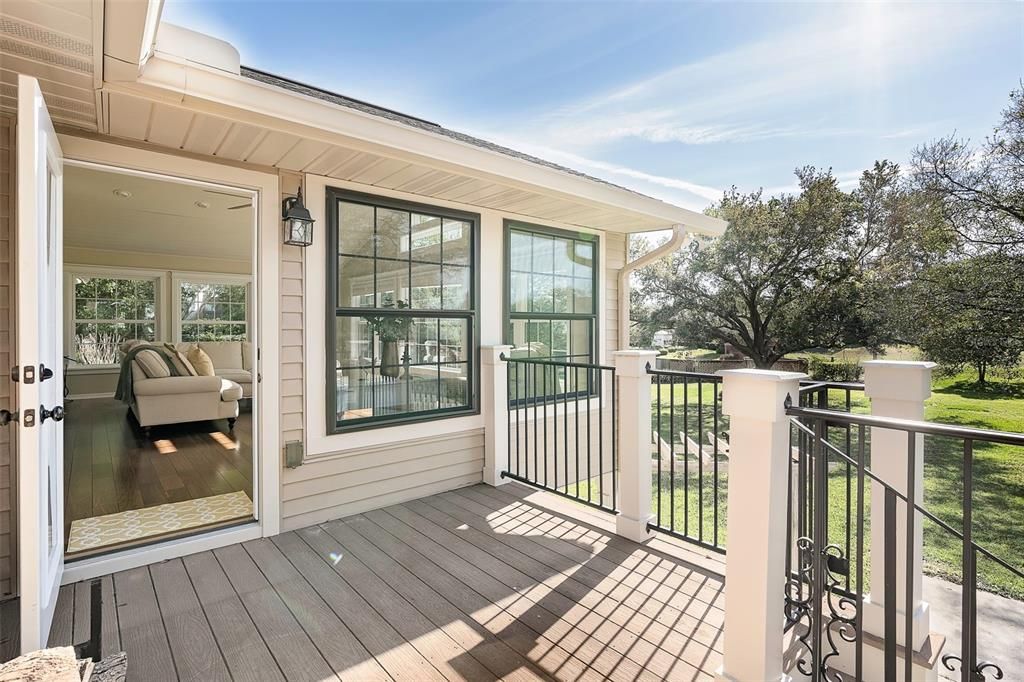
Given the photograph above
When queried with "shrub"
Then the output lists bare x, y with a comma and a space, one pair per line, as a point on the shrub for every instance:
830, 369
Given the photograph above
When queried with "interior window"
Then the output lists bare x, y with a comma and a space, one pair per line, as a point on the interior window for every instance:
213, 312
109, 311
552, 308
403, 317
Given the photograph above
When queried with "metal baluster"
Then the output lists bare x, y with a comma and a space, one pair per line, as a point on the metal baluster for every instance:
658, 446
849, 482
600, 433
565, 426
536, 440
700, 461
554, 423
968, 616
590, 459
686, 459
544, 423
615, 444
714, 453
890, 585
820, 540
672, 453
576, 402
508, 416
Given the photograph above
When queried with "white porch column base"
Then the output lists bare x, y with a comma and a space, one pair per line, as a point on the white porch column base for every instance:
634, 393
494, 404
755, 566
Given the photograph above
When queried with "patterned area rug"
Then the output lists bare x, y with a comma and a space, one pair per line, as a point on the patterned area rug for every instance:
137, 524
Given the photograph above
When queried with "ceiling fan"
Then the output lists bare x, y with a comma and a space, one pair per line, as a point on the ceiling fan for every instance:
247, 204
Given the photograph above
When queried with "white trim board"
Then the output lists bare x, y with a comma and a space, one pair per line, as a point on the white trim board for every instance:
265, 190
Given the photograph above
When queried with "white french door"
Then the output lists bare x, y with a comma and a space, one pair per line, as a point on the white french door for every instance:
39, 366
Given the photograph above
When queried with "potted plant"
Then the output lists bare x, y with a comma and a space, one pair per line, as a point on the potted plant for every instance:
390, 329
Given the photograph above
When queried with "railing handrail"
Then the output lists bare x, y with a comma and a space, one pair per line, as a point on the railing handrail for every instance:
704, 376
810, 385
908, 425
827, 415
556, 363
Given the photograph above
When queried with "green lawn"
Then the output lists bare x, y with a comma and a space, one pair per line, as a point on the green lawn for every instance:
998, 476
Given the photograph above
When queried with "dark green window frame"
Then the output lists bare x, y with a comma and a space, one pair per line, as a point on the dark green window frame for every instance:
334, 311
591, 317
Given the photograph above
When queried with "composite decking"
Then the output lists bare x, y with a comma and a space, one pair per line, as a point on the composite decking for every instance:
474, 584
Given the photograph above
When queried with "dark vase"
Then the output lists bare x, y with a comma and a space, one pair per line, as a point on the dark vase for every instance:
389, 366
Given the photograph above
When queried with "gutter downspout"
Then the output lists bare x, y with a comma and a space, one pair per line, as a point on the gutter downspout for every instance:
679, 237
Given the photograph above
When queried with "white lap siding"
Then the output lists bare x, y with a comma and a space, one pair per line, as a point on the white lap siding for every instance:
8, 558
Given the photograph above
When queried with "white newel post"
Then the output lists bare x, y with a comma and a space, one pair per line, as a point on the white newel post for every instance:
896, 389
755, 566
494, 404
634, 450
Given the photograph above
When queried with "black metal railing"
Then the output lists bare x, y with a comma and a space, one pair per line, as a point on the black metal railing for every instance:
689, 447
822, 603
562, 429
839, 492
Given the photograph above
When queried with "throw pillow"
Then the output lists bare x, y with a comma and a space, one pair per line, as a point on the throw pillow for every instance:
152, 364
180, 362
201, 361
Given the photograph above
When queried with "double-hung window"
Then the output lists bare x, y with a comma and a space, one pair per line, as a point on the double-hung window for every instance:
212, 310
551, 305
106, 312
402, 311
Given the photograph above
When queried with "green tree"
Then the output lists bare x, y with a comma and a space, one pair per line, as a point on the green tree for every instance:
789, 274
968, 312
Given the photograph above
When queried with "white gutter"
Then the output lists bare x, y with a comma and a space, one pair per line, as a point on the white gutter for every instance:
679, 237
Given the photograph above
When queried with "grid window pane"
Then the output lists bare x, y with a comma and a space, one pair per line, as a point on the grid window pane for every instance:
109, 311
212, 311
401, 359
553, 306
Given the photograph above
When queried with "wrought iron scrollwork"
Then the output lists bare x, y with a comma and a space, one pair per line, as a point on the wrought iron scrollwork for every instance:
978, 674
836, 615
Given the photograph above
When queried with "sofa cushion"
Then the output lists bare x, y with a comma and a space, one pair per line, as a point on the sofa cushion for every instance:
229, 391
153, 365
246, 355
202, 362
237, 375
224, 354
177, 385
180, 361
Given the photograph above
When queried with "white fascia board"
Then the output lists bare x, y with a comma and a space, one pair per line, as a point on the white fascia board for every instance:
129, 32
218, 92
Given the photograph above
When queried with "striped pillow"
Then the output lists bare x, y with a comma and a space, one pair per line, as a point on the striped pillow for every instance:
152, 364
180, 362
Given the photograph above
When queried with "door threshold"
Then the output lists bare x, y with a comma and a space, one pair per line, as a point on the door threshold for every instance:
155, 539
85, 568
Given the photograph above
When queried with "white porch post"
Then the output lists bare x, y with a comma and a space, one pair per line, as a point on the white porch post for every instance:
634, 395
896, 389
755, 566
494, 404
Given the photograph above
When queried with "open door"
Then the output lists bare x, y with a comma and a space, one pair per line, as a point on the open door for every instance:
39, 369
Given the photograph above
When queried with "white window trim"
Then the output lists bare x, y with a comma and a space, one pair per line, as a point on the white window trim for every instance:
179, 276
72, 270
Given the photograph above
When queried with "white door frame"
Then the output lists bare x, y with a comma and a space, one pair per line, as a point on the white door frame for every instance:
266, 318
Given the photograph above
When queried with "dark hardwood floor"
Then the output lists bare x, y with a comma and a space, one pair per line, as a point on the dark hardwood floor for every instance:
111, 466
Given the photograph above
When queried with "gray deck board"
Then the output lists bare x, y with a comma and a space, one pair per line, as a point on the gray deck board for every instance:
142, 629
473, 584
298, 658
338, 644
247, 655
193, 645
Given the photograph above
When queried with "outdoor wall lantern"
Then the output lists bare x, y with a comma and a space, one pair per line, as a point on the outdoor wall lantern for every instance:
298, 224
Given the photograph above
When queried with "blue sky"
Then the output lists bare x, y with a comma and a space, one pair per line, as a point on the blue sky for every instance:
677, 100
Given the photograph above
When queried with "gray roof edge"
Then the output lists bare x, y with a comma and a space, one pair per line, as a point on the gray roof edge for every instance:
422, 124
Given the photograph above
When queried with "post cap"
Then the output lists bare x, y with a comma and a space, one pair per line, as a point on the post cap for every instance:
758, 394
898, 379
491, 355
633, 363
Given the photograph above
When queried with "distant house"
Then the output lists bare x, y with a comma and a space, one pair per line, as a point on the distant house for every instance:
662, 338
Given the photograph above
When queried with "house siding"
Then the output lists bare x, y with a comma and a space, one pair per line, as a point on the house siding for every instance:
8, 558
333, 485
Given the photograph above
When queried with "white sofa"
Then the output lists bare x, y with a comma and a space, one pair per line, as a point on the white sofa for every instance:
180, 399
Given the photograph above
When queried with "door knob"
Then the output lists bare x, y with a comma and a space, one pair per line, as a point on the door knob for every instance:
6, 417
56, 414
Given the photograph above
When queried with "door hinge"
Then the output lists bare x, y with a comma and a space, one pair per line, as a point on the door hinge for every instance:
26, 374
259, 377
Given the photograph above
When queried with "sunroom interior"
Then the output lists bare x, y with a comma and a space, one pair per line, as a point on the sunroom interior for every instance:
159, 379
